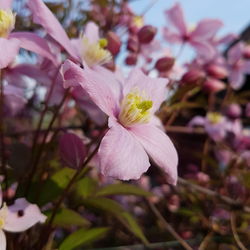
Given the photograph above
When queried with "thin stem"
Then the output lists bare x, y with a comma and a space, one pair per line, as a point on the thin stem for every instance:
234, 230
168, 227
206, 240
148, 7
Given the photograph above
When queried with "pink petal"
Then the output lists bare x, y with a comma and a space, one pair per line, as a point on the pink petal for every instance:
3, 244
154, 88
95, 85
121, 156
43, 16
206, 29
159, 147
22, 215
1, 196
235, 53
176, 17
197, 121
236, 79
6, 4
9, 50
32, 42
172, 37
92, 32
204, 49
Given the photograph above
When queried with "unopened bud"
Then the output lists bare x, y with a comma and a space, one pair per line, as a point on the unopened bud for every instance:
146, 34
131, 59
217, 71
133, 44
114, 43
213, 86
246, 52
193, 76
164, 64
233, 111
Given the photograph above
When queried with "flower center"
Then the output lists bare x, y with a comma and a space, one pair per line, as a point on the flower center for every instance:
135, 109
7, 22
95, 53
214, 117
3, 214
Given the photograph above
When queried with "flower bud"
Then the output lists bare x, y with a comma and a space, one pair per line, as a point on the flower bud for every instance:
164, 64
246, 52
213, 86
131, 59
146, 34
114, 43
133, 44
233, 111
193, 76
217, 71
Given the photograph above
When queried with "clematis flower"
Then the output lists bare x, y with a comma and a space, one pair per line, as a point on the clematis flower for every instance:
199, 37
237, 66
18, 217
11, 42
132, 134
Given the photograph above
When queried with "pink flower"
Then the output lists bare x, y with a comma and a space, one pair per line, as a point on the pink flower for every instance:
11, 42
18, 217
132, 135
199, 37
237, 66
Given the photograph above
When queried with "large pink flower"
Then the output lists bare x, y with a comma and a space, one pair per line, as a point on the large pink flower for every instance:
132, 136
18, 217
199, 38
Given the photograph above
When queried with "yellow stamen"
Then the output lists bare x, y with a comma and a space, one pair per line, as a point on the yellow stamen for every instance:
3, 214
138, 21
135, 109
7, 22
94, 53
214, 117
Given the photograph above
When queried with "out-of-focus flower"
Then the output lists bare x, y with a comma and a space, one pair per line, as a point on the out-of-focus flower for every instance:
212, 85
237, 66
132, 135
18, 217
199, 37
146, 34
234, 111
247, 111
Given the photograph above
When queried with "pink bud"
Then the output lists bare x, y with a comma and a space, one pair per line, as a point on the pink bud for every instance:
212, 85
217, 71
131, 59
164, 64
114, 43
233, 111
133, 44
193, 76
246, 52
72, 150
146, 34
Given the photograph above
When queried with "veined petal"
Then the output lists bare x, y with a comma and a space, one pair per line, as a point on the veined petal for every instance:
172, 37
176, 17
95, 85
236, 79
92, 32
204, 49
22, 215
2, 240
9, 50
121, 155
206, 29
154, 88
43, 16
6, 4
159, 147
32, 42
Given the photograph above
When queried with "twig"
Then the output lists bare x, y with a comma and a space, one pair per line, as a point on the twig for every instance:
234, 231
205, 242
231, 202
168, 227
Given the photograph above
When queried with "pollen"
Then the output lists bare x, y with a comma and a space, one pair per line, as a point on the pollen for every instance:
135, 109
214, 117
94, 53
7, 22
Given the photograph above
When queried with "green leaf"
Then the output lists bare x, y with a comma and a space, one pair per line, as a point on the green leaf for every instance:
115, 209
68, 218
83, 236
53, 187
116, 189
85, 187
